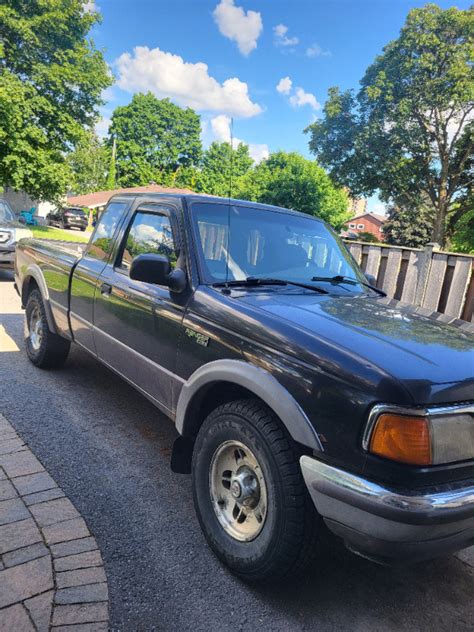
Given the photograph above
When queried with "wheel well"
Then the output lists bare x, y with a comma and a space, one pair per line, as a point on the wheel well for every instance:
208, 399
29, 284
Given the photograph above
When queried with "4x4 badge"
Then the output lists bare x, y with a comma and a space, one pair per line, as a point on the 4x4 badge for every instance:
199, 338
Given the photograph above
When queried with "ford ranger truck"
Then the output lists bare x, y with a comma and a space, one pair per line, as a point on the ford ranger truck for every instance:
304, 398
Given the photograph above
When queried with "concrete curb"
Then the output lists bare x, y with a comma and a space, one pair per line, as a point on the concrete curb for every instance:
52, 576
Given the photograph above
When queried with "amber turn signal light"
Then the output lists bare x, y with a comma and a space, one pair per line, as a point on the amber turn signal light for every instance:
402, 438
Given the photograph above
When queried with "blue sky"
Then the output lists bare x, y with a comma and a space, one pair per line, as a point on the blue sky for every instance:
226, 58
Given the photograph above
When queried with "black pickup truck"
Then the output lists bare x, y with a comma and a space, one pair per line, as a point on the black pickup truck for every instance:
302, 396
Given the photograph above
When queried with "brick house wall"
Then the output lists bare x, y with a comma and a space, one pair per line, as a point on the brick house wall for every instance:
366, 223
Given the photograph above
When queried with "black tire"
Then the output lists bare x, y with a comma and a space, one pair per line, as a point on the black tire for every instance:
286, 544
48, 350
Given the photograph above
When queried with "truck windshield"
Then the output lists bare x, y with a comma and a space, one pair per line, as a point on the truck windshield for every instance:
238, 242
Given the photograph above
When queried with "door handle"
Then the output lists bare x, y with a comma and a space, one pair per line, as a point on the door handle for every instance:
105, 289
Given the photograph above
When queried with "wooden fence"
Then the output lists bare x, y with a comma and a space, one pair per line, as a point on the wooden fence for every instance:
434, 280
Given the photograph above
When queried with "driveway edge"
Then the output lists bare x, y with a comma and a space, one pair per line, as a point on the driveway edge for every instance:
51, 570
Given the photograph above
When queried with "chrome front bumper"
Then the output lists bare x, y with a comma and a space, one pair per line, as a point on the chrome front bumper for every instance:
389, 525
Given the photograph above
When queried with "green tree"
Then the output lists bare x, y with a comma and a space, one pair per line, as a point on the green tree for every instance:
463, 238
409, 129
409, 225
155, 138
292, 181
89, 163
221, 168
51, 79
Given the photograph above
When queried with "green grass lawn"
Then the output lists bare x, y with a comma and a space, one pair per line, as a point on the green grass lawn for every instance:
47, 232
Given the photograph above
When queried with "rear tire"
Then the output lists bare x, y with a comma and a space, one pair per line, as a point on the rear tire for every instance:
44, 348
277, 536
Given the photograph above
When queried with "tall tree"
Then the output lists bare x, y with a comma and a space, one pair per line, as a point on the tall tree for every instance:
410, 128
222, 166
51, 79
89, 163
292, 181
409, 225
155, 138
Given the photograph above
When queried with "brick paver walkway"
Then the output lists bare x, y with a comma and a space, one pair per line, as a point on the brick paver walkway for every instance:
51, 571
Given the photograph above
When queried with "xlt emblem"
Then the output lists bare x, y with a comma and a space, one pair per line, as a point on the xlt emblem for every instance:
199, 338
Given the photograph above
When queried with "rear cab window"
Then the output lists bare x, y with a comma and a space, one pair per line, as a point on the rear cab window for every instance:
102, 238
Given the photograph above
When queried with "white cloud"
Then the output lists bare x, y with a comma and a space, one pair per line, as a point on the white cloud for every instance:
315, 50
284, 85
300, 98
102, 126
281, 37
91, 7
220, 126
235, 23
188, 84
258, 152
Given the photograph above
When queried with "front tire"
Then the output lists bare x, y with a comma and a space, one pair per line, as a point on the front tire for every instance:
44, 348
249, 493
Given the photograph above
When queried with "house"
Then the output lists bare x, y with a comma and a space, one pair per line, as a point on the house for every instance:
366, 223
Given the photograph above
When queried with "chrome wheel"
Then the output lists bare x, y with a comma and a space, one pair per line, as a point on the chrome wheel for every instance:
35, 327
238, 491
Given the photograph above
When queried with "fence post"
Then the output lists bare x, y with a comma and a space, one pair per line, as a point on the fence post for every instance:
424, 265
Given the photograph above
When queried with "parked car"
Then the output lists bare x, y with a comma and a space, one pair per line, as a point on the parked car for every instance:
68, 217
11, 231
302, 395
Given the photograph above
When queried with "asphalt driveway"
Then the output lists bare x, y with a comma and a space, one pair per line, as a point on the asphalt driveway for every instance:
108, 448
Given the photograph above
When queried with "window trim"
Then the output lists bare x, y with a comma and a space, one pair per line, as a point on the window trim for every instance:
360, 226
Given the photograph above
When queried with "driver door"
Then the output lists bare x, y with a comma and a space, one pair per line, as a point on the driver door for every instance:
137, 325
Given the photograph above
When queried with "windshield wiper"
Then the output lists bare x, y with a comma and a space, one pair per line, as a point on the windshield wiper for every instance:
339, 279
256, 281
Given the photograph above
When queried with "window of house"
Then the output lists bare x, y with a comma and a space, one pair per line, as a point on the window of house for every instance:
149, 233
360, 226
352, 225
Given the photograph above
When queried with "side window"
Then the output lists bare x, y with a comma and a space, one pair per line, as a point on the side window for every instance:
149, 233
101, 241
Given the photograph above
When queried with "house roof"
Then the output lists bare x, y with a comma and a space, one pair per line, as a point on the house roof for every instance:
100, 198
381, 219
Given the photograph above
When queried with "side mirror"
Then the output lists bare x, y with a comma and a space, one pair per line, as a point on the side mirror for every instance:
157, 269
371, 279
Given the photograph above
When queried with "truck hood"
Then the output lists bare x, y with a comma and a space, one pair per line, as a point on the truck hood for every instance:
418, 349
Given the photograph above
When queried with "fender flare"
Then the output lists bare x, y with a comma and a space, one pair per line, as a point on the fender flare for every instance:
257, 381
33, 271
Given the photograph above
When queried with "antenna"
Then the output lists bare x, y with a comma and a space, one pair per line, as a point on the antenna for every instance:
231, 157
231, 165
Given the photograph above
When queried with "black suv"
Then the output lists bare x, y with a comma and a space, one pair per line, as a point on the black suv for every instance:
68, 217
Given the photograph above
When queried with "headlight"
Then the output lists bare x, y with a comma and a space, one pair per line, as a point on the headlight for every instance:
5, 236
430, 436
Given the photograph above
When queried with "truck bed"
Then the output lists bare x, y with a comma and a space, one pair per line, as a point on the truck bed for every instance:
55, 260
